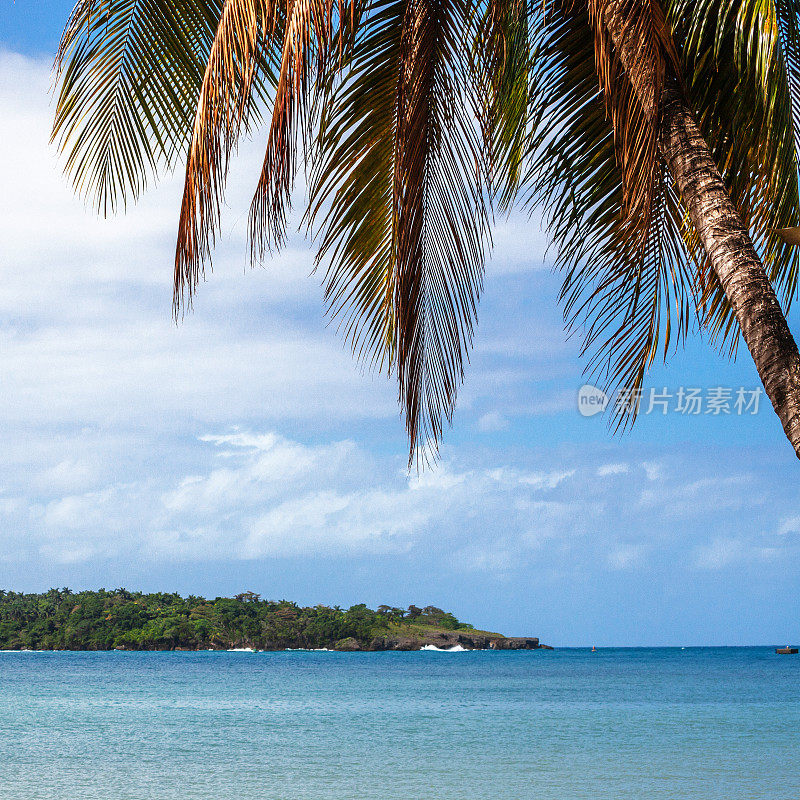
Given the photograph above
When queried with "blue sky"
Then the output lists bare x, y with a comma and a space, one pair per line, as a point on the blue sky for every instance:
244, 449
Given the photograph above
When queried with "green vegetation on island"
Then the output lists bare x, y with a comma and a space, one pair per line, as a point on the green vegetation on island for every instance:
104, 620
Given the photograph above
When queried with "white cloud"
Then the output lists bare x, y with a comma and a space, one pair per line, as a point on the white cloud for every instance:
70, 474
255, 496
519, 246
262, 495
440, 479
726, 551
492, 421
357, 523
789, 526
626, 556
87, 336
497, 559
691, 497
546, 480
104, 396
267, 496
653, 470
611, 469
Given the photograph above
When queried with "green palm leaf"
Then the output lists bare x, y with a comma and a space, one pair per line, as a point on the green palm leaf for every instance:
130, 74
612, 213
400, 189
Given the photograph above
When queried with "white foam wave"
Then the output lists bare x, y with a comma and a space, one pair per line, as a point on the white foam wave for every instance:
455, 649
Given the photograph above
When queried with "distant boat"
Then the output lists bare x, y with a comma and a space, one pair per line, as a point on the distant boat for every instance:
594, 649
786, 651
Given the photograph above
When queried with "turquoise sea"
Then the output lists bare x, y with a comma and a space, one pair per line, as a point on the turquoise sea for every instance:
619, 723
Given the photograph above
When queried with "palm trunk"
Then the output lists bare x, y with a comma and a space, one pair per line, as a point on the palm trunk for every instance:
722, 232
733, 258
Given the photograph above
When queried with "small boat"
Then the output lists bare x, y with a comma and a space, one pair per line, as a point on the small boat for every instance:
786, 651
594, 649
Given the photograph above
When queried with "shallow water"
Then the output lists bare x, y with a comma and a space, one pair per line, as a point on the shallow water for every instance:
629, 723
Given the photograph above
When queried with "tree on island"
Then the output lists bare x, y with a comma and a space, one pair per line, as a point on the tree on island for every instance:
417, 120
248, 597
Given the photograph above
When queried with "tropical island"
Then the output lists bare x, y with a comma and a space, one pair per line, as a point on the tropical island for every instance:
118, 619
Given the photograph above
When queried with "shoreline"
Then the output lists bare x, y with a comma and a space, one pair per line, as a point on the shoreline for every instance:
401, 648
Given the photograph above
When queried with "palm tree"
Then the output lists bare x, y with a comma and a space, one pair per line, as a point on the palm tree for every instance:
658, 137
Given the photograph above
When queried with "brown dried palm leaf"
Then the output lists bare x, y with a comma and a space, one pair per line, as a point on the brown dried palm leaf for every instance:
306, 45
244, 30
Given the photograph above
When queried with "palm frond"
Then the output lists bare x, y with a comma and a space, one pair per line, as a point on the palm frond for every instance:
627, 286
788, 18
307, 39
632, 75
352, 187
502, 68
130, 72
433, 111
241, 47
402, 194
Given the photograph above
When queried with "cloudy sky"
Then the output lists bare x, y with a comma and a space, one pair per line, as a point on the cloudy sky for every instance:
244, 448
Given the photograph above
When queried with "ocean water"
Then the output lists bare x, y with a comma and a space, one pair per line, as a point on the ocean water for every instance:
564, 724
